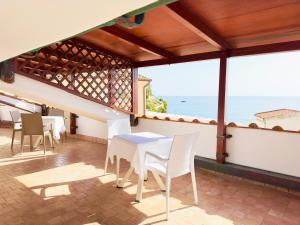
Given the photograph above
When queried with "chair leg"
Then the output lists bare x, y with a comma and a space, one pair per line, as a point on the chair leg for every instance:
44, 143
51, 140
22, 143
146, 175
194, 186
31, 143
118, 171
12, 140
106, 162
159, 181
168, 187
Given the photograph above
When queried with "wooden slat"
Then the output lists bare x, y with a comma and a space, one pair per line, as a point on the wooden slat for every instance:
263, 49
255, 50
135, 90
180, 59
221, 128
145, 45
184, 16
84, 70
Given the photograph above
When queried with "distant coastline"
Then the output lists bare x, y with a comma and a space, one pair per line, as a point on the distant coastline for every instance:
240, 109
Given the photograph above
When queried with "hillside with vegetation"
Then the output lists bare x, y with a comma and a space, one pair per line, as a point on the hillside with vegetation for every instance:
154, 103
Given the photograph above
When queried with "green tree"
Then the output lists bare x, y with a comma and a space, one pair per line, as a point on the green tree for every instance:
155, 104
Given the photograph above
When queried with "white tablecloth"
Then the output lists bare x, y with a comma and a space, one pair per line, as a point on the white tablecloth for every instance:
132, 147
58, 125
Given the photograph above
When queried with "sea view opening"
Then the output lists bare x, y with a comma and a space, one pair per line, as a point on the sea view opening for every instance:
259, 90
195, 98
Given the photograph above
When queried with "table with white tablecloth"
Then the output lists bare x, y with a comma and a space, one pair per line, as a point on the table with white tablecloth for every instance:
133, 147
56, 123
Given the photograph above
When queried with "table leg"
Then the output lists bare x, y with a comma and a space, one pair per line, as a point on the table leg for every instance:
126, 177
139, 191
117, 171
159, 181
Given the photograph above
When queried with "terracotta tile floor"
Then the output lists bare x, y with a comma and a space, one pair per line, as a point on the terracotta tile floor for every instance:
68, 187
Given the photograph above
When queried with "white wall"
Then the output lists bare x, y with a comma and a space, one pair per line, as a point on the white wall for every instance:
262, 149
287, 123
265, 149
91, 127
5, 112
21, 104
206, 145
60, 99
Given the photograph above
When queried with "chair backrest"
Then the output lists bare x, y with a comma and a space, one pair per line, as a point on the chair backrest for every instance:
181, 156
56, 112
32, 124
15, 116
118, 126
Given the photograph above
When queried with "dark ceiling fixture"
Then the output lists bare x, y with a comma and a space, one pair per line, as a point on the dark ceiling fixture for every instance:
128, 23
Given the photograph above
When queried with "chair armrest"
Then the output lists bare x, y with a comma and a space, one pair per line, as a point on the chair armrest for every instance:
161, 158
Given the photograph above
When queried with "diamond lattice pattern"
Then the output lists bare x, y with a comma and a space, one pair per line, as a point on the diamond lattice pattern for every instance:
83, 70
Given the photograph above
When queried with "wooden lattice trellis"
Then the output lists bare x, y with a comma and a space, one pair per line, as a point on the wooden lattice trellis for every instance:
83, 70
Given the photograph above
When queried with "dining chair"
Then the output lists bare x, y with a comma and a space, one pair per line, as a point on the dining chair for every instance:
115, 127
17, 125
58, 112
32, 125
180, 161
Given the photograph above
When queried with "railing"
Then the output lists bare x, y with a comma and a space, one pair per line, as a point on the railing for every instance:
84, 70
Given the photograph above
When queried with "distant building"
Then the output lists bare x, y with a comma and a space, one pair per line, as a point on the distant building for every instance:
288, 119
143, 83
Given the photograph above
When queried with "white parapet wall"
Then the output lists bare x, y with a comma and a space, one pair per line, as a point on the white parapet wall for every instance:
5, 112
268, 150
21, 104
92, 116
274, 151
91, 128
206, 145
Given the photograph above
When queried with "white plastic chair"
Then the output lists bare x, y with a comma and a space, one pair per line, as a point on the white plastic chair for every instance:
16, 119
179, 162
115, 127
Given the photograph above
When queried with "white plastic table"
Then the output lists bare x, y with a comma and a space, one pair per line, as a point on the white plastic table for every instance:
132, 147
57, 124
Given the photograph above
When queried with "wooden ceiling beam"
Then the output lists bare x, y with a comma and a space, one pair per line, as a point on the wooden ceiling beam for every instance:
184, 16
254, 50
264, 49
180, 59
145, 45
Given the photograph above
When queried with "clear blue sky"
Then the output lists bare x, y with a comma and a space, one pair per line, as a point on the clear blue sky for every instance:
261, 75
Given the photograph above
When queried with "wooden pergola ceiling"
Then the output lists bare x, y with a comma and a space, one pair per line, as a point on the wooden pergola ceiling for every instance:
190, 30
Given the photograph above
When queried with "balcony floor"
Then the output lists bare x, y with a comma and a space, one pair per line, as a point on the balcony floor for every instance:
68, 187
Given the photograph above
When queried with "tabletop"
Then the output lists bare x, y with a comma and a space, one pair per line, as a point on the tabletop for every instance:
132, 147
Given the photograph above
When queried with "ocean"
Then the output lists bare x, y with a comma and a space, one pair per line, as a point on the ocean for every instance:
240, 109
